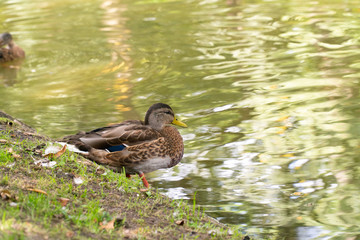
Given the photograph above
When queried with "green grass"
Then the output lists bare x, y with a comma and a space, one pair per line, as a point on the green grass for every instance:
102, 197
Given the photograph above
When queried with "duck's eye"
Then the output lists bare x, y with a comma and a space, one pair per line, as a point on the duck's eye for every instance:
168, 112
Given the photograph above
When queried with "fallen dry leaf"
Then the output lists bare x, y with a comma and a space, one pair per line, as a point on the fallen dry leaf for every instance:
56, 155
100, 171
63, 201
5, 194
129, 233
29, 133
14, 154
144, 189
3, 141
70, 234
113, 224
38, 152
36, 190
61, 152
32, 134
180, 222
108, 226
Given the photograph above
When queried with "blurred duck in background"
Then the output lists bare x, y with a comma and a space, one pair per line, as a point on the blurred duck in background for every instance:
9, 51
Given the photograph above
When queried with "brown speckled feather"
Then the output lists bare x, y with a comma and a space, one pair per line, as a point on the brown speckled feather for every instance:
130, 135
169, 145
137, 158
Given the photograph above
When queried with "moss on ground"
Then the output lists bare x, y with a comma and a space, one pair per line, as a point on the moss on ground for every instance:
70, 197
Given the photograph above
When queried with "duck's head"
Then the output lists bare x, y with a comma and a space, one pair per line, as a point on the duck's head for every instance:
160, 114
5, 39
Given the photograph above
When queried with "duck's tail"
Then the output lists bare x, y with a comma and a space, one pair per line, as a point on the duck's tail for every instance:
75, 148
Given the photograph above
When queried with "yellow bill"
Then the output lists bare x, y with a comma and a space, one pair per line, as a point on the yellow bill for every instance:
178, 123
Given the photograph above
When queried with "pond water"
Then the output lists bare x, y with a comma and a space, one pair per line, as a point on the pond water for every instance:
269, 90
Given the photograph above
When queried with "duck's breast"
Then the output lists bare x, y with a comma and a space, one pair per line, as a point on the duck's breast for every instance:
153, 164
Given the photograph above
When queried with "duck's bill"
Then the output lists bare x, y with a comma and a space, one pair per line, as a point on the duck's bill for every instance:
178, 123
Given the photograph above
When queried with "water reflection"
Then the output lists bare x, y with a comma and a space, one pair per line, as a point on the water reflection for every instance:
9, 73
268, 88
279, 159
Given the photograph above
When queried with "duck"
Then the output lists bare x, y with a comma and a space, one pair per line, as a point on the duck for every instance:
135, 146
9, 51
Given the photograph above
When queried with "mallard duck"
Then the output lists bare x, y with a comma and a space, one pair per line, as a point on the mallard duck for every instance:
135, 146
9, 51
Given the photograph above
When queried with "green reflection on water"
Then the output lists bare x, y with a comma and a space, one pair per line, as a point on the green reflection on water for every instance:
269, 90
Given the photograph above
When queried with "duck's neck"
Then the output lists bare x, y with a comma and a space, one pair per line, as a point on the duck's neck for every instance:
11, 44
155, 125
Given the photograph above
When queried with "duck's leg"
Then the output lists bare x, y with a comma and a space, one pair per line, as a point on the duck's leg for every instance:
145, 182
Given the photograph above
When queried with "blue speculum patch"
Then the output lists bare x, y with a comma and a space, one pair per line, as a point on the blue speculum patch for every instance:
116, 148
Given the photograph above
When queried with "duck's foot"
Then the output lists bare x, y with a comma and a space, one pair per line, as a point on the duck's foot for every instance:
145, 182
128, 175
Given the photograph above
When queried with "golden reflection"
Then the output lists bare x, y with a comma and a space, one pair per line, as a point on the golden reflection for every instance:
121, 63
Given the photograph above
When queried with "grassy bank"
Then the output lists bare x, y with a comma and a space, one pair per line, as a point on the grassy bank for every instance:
70, 197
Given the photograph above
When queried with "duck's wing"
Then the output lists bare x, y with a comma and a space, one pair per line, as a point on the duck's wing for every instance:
75, 139
102, 130
115, 137
141, 158
144, 157
122, 135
